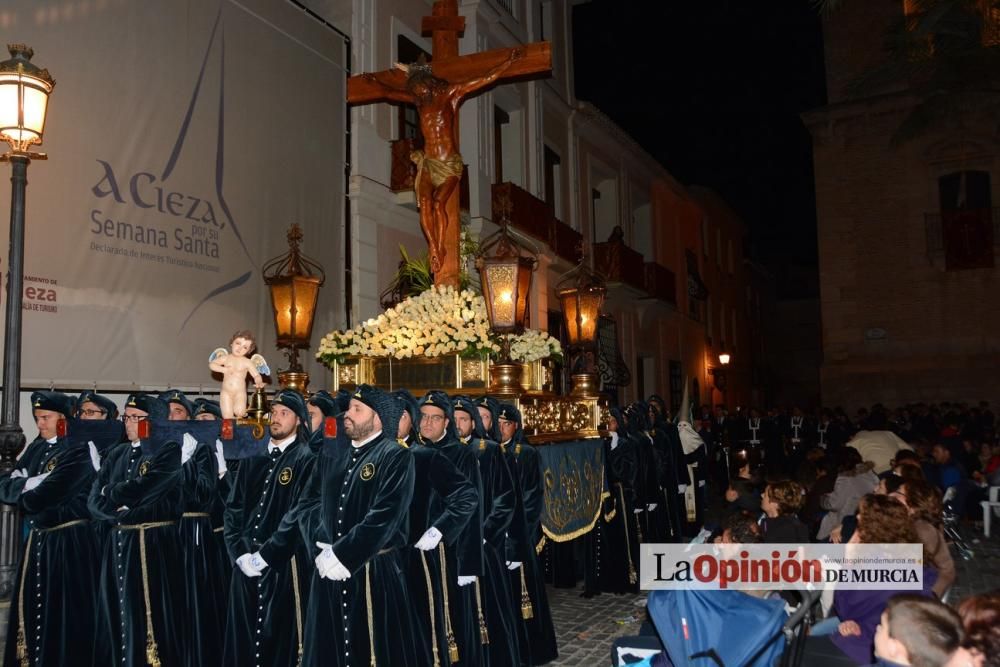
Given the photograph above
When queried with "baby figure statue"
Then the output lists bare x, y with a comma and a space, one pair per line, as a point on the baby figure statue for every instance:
234, 366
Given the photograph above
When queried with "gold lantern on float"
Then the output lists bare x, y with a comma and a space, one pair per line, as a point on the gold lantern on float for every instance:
581, 294
505, 269
293, 281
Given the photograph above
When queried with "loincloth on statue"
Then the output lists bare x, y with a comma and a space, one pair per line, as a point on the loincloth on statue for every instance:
438, 170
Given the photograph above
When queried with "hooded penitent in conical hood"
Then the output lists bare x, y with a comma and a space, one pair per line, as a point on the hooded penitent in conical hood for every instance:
441, 400
690, 440
467, 405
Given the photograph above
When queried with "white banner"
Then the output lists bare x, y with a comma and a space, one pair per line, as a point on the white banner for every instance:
896, 567
184, 139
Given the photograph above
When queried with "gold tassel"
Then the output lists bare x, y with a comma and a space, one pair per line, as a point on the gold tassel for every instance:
430, 607
371, 620
298, 607
452, 644
484, 635
152, 654
527, 612
632, 578
22, 646
22, 639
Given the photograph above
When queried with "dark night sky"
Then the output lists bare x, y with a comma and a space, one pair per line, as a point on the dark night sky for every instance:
713, 89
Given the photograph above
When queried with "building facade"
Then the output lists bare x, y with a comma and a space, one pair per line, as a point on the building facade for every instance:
679, 290
907, 227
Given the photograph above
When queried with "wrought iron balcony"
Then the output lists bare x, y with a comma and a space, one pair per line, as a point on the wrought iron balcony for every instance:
620, 264
660, 283
535, 218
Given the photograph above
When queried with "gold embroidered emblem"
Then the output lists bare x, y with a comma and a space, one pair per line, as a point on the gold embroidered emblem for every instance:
144, 467
367, 471
50, 465
285, 476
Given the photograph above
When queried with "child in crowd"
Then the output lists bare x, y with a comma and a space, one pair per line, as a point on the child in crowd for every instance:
918, 631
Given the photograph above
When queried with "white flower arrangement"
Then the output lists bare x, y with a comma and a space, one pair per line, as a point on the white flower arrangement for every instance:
437, 322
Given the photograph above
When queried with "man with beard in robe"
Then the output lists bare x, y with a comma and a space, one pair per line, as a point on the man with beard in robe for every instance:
50, 484
354, 518
523, 536
444, 501
142, 601
499, 500
268, 591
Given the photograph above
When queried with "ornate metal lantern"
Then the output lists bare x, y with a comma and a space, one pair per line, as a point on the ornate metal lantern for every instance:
294, 281
581, 294
505, 269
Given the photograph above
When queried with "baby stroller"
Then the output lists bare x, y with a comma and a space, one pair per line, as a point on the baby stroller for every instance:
954, 506
730, 628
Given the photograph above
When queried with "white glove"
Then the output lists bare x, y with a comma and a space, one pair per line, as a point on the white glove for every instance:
18, 473
257, 562
244, 564
650, 508
187, 449
513, 565
33, 482
95, 458
429, 540
465, 580
328, 566
221, 458
637, 510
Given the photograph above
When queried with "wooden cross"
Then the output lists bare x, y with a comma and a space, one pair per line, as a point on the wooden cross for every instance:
437, 99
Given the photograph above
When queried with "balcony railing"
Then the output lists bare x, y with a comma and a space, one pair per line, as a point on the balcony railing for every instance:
661, 283
535, 218
620, 264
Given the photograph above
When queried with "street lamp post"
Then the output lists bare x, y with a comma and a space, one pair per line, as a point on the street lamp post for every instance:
24, 93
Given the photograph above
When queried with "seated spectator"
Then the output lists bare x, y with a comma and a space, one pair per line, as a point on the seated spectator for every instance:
981, 619
908, 469
854, 479
989, 458
947, 473
743, 494
812, 511
917, 631
781, 502
923, 501
881, 520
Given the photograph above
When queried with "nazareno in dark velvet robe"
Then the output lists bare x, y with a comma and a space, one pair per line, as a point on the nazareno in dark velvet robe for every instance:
524, 534
57, 569
142, 495
464, 557
445, 499
499, 500
620, 554
357, 501
265, 622
206, 573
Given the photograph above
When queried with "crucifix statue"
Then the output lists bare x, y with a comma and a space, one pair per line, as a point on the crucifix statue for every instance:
437, 89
